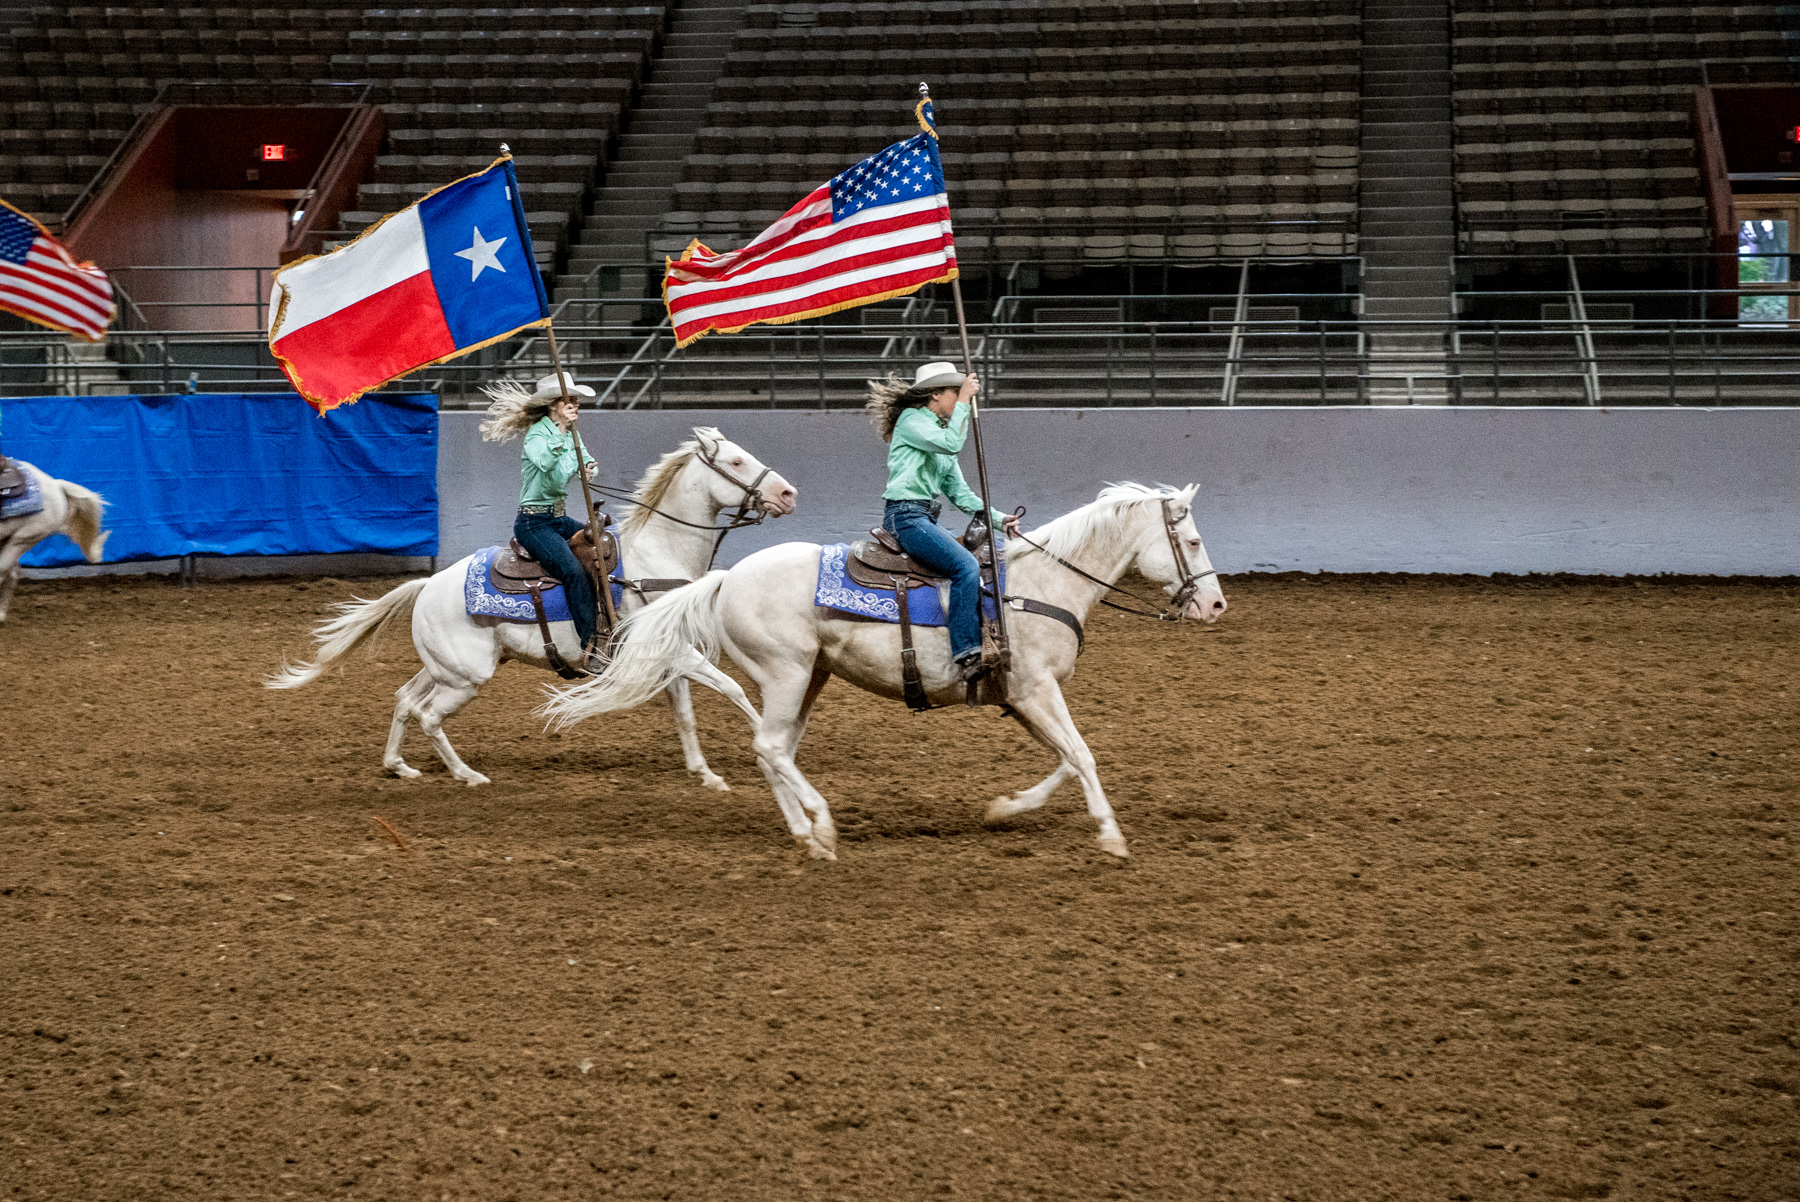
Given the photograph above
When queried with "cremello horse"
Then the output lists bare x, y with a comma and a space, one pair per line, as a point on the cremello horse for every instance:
69, 508
668, 535
762, 612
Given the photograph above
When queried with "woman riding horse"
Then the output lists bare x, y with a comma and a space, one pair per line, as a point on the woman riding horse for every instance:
925, 424
547, 416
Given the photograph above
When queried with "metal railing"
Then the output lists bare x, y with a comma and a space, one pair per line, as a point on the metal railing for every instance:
1235, 347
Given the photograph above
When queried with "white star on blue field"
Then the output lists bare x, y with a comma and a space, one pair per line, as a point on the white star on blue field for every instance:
904, 171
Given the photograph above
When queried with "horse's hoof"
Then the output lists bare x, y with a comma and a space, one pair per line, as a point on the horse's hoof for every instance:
404, 771
712, 780
820, 852
1114, 845
475, 778
1002, 808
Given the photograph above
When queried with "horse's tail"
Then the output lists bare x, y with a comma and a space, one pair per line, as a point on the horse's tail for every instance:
656, 646
357, 622
86, 507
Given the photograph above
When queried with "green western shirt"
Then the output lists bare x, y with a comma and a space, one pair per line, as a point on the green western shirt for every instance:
549, 463
922, 460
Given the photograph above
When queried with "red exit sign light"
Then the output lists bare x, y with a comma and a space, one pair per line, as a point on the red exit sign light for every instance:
273, 152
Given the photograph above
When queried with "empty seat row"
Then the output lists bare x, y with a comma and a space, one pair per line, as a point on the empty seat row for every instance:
737, 110
1615, 154
1576, 184
440, 169
500, 41
1671, 210
1620, 20
1204, 90
550, 115
1640, 98
37, 114
345, 19
17, 86
589, 143
916, 13
1687, 239
29, 168
59, 142
592, 70
1725, 45
181, 40
647, 17
991, 139
1512, 127
298, 17
1323, 187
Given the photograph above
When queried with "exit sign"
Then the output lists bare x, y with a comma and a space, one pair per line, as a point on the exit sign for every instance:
274, 152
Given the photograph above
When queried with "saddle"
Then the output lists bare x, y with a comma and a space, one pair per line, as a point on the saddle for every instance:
515, 571
876, 561
12, 480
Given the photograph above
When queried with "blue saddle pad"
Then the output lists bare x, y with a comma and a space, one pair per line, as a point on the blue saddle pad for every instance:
479, 597
26, 503
925, 606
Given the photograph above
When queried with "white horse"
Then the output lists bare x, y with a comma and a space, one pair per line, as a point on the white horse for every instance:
69, 508
667, 535
762, 612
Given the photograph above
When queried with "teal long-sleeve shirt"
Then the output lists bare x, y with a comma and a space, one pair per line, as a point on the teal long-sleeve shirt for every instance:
922, 460
549, 464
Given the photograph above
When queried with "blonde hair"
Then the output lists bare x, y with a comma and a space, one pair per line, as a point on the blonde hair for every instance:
512, 412
888, 399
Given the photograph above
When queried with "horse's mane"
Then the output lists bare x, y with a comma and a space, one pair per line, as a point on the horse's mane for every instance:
654, 484
1101, 518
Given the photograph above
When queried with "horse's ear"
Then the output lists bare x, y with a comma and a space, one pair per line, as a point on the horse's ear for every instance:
1187, 494
709, 438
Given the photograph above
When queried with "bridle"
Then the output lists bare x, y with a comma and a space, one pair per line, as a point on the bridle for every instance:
750, 509
1184, 593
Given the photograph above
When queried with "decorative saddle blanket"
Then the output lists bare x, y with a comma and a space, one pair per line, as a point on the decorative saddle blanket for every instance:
480, 598
20, 494
925, 606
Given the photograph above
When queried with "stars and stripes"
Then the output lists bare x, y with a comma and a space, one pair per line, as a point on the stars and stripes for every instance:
40, 281
879, 230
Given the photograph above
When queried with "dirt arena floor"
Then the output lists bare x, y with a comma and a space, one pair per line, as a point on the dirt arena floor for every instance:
1442, 889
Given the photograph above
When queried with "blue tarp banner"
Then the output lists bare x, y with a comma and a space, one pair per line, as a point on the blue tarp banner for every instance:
237, 474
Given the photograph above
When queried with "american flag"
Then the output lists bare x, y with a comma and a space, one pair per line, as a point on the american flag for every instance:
41, 282
879, 230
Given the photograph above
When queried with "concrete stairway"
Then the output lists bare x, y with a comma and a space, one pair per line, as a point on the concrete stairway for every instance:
639, 185
1408, 220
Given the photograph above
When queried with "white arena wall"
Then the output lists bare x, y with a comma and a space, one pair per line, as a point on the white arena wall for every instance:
1462, 490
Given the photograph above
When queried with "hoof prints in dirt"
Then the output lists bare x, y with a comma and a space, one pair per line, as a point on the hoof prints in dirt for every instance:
1439, 889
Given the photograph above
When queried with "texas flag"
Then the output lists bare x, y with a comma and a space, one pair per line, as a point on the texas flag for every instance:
447, 276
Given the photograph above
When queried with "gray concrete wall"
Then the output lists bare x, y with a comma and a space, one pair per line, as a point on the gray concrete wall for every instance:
1613, 491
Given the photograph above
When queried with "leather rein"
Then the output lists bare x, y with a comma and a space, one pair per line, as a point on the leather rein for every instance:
1190, 580
751, 509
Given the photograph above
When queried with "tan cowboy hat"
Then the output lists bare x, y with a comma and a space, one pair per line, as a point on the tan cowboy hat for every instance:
934, 376
548, 390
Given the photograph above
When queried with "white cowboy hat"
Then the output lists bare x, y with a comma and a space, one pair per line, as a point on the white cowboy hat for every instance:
934, 376
548, 390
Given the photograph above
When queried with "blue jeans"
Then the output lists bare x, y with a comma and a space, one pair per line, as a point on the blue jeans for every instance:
923, 539
547, 538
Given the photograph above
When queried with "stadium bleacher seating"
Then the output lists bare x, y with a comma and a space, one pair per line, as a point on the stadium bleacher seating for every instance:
1572, 120
554, 83
1141, 129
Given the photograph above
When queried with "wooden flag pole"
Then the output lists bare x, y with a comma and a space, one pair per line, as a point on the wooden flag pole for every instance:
597, 572
992, 570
